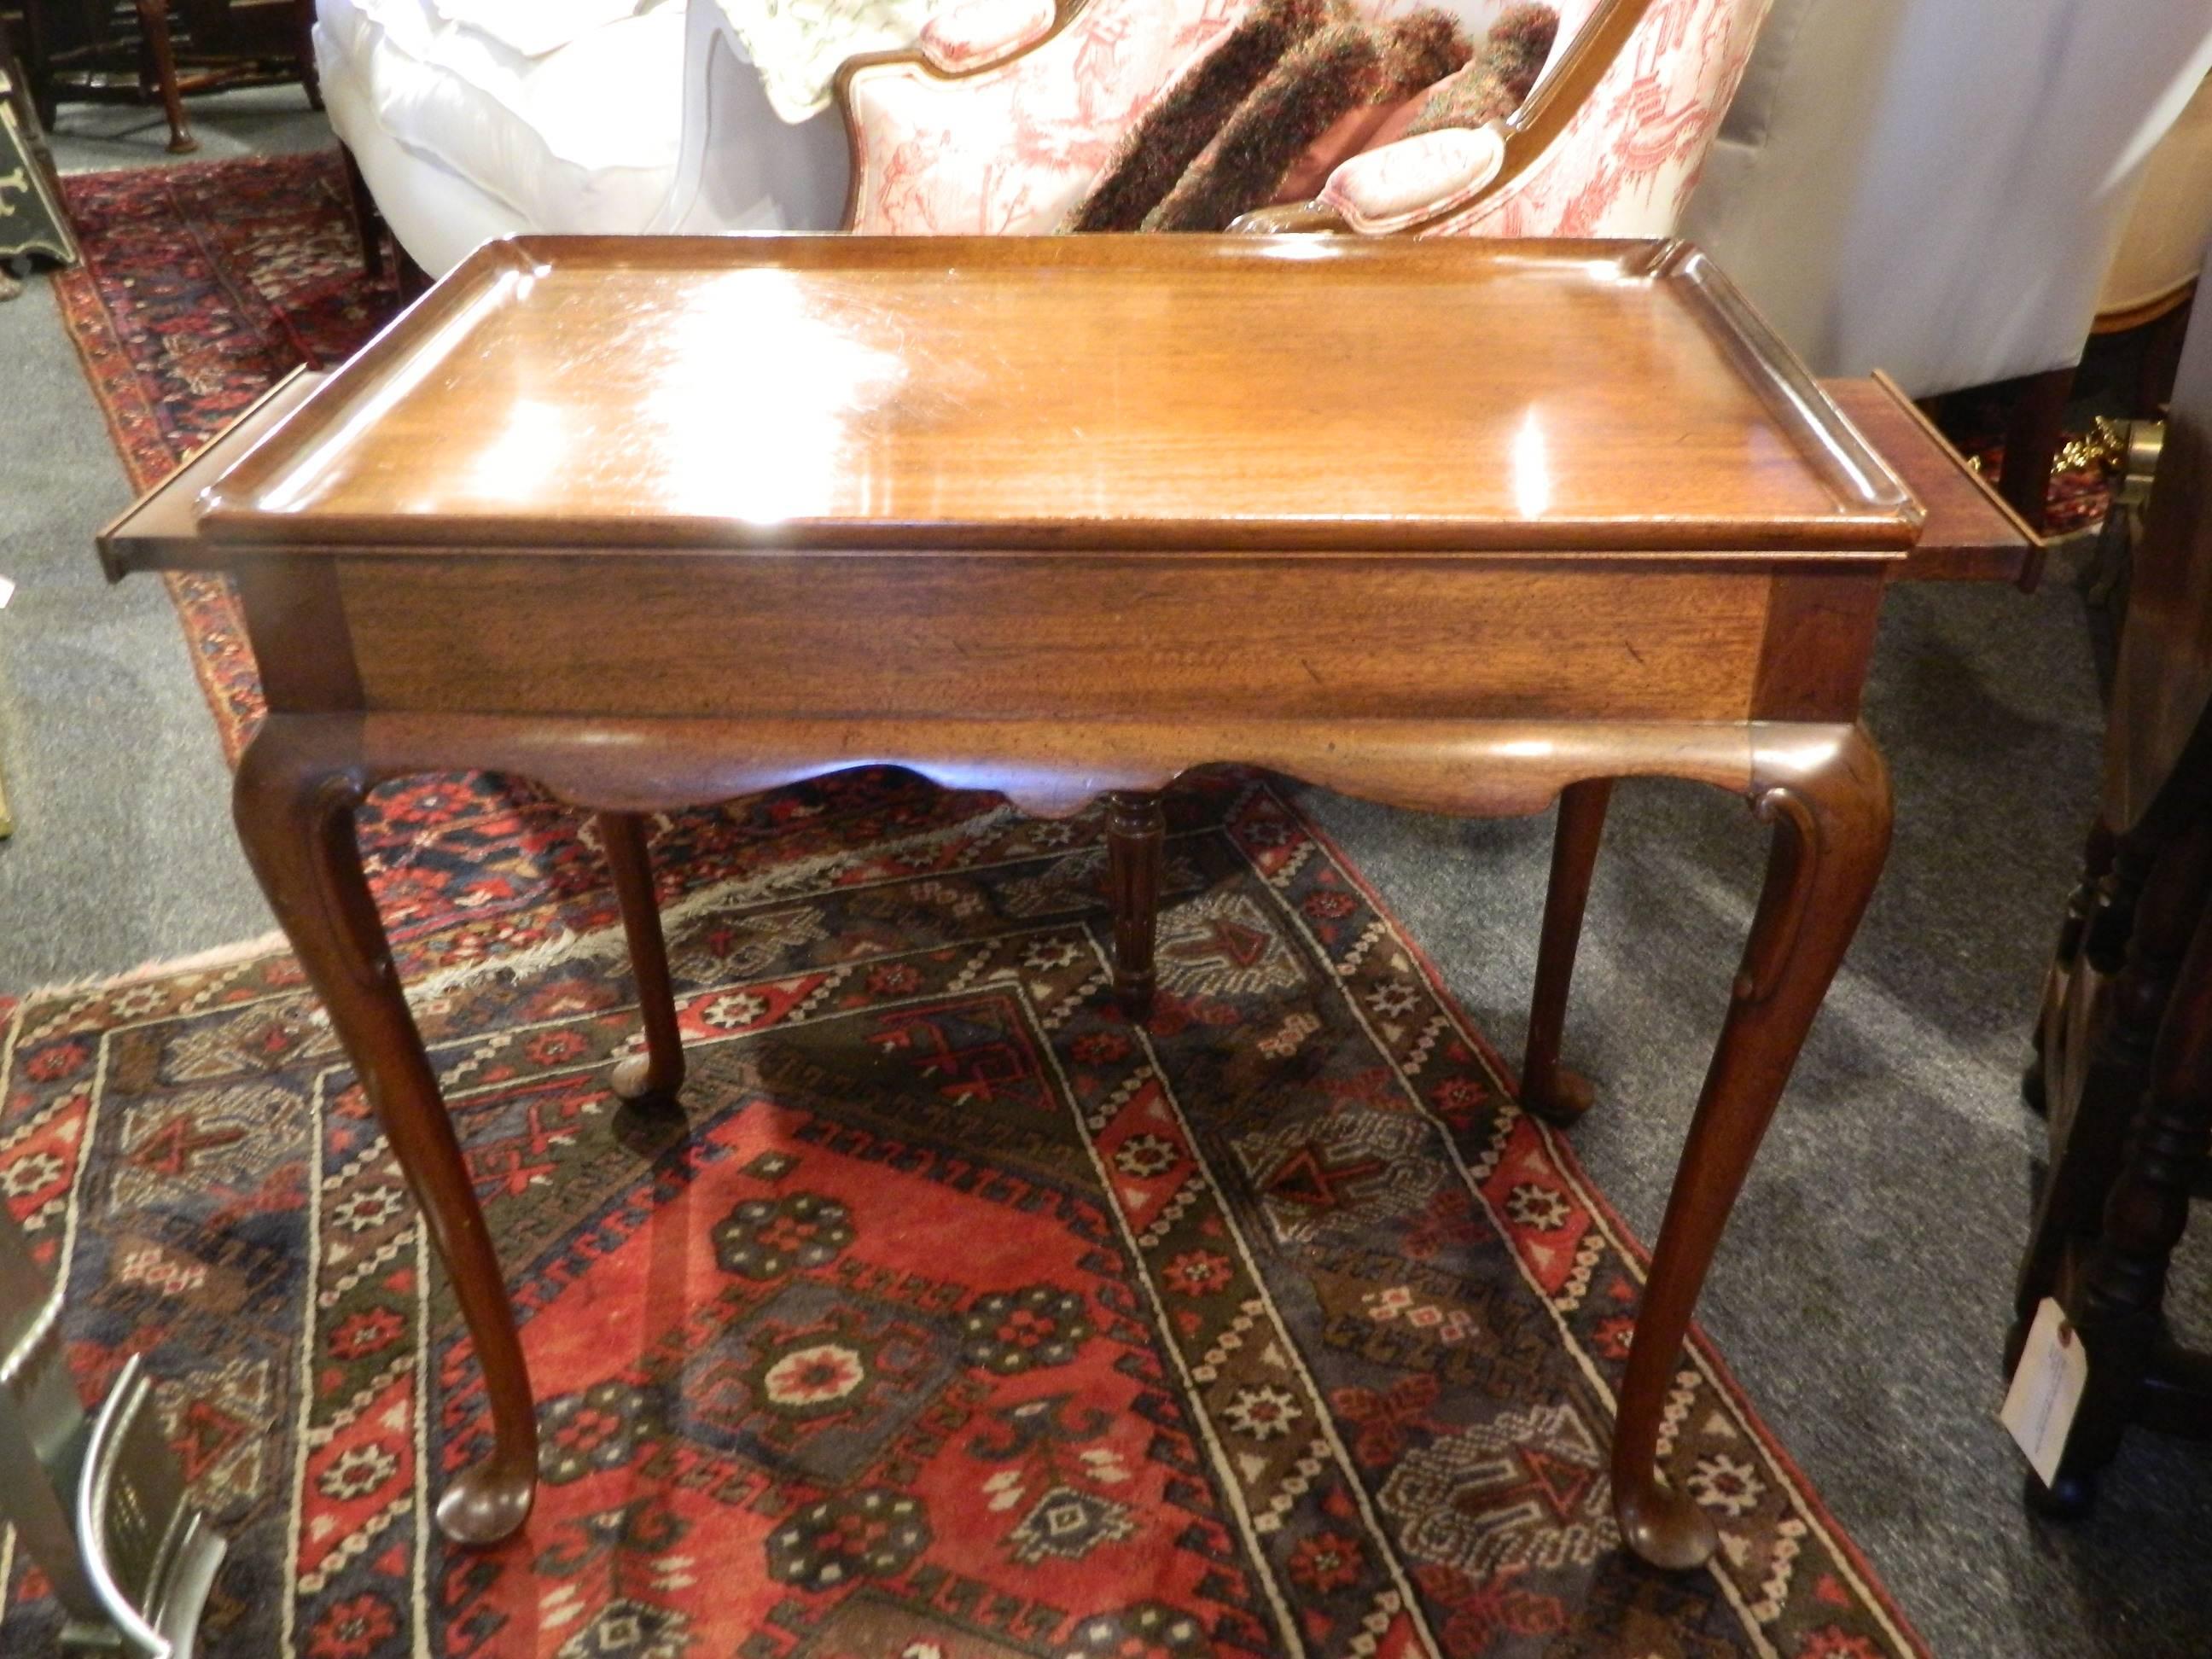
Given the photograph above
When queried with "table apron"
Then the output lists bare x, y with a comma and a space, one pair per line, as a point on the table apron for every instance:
1063, 637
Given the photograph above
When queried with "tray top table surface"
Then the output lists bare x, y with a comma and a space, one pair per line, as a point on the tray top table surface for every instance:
1079, 393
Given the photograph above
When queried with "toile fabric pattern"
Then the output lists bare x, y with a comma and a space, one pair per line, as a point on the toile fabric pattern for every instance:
1011, 148
1632, 152
959, 1317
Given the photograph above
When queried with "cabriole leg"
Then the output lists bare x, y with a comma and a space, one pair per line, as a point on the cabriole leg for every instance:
1547, 1089
1830, 805
652, 1078
293, 799
1136, 838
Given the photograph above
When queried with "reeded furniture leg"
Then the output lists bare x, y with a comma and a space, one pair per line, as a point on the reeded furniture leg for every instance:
293, 801
1547, 1089
1136, 837
153, 23
652, 1078
1830, 805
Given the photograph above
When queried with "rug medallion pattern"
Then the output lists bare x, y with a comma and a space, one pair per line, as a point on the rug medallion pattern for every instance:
962, 1317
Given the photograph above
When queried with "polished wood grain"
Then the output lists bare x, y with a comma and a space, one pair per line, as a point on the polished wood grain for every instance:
1068, 637
1461, 528
297, 789
1189, 394
1971, 533
1830, 806
159, 530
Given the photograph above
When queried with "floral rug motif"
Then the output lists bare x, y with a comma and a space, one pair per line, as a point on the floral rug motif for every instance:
962, 1317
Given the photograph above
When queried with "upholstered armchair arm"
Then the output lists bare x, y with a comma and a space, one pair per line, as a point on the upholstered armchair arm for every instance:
967, 35
1454, 175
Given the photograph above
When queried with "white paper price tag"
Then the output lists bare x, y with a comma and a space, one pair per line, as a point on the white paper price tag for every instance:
2047, 1389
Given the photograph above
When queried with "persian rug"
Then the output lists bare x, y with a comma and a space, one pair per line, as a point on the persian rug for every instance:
960, 1320
202, 286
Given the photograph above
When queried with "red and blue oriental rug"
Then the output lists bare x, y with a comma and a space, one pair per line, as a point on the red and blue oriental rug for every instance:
959, 1320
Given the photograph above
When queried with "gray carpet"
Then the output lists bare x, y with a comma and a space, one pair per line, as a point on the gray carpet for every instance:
122, 851
1862, 1294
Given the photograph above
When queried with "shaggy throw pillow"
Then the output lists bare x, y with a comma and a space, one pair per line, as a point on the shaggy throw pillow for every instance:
1170, 135
1499, 78
1344, 67
1222, 139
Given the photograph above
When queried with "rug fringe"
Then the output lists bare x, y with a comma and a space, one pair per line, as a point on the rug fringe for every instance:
269, 944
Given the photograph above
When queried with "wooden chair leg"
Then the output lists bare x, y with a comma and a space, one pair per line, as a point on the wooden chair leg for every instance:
2032, 437
303, 34
1831, 819
2117, 1297
2088, 1132
154, 25
368, 223
294, 799
655, 1077
1136, 839
1547, 1089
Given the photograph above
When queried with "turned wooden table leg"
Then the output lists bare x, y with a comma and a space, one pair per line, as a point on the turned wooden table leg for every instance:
2165, 898
293, 801
2065, 963
653, 1077
2116, 1288
1830, 805
1136, 838
154, 25
1547, 1089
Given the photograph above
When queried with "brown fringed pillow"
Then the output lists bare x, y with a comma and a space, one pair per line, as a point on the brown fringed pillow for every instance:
1224, 138
1343, 68
1499, 78
1170, 135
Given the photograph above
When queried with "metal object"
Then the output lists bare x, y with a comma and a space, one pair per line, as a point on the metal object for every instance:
150, 1554
2139, 462
102, 1508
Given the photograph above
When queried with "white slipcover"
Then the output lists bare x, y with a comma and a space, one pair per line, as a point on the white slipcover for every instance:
477, 119
1936, 187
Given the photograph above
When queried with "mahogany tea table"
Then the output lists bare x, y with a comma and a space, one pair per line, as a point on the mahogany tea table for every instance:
1461, 526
